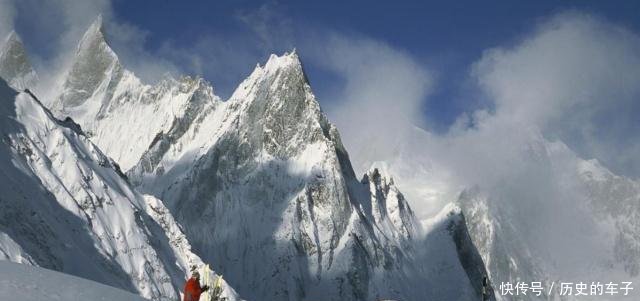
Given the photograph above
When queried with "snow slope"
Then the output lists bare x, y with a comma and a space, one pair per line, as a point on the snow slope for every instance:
30, 283
67, 207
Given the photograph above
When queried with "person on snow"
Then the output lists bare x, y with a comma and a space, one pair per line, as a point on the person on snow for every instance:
485, 288
192, 288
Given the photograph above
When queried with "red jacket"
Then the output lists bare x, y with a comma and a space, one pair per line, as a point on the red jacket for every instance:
192, 290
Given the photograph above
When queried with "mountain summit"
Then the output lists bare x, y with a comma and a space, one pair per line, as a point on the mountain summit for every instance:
280, 210
95, 67
120, 113
14, 63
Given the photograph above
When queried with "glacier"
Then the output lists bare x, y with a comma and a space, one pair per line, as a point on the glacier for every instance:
39, 284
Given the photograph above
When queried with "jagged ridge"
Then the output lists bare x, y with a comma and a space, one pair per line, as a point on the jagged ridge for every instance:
66, 207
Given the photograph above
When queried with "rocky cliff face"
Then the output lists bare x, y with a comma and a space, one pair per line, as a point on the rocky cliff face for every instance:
504, 250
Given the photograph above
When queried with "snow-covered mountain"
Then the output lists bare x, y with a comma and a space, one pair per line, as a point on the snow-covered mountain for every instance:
128, 184
14, 63
263, 187
66, 206
116, 110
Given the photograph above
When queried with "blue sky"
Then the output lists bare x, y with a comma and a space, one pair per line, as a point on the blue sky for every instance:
445, 36
448, 36
380, 68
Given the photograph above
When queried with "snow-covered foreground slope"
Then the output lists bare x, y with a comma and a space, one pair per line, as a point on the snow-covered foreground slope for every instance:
67, 207
29, 283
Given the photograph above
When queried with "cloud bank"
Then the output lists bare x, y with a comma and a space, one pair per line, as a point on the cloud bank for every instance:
577, 79
569, 90
574, 79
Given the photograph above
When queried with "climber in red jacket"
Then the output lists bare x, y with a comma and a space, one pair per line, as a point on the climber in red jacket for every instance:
192, 289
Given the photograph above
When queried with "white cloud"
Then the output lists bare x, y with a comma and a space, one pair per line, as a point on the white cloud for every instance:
269, 23
7, 17
382, 97
577, 78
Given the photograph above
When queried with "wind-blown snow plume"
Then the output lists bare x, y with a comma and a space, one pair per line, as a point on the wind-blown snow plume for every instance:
7, 17
382, 97
68, 20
